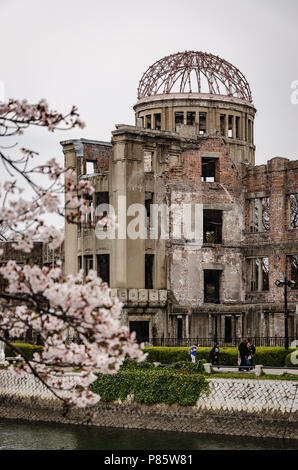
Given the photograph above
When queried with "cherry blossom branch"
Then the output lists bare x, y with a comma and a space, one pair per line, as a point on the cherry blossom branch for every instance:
42, 299
18, 115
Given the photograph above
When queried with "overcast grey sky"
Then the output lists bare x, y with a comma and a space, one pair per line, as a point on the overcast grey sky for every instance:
93, 53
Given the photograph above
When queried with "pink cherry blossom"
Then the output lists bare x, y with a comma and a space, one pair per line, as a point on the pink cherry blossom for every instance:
75, 316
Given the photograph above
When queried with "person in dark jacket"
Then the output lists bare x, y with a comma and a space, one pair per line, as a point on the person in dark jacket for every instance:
243, 354
214, 354
251, 352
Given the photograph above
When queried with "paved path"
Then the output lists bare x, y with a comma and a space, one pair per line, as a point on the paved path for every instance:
266, 371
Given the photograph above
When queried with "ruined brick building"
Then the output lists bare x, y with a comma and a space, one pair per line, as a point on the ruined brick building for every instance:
192, 143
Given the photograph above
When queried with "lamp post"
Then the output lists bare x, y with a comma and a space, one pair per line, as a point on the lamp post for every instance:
286, 283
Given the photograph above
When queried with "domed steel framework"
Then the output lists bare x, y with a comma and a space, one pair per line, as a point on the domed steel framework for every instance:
194, 72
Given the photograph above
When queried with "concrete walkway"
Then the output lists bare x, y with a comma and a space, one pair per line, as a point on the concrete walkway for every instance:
266, 371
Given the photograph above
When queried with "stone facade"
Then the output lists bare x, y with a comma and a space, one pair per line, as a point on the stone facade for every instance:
198, 150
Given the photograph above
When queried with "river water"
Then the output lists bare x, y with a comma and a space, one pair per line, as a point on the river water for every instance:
20, 435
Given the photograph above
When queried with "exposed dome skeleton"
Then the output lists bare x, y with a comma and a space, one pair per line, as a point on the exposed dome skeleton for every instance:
189, 72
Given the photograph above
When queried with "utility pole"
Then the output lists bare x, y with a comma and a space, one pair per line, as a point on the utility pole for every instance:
286, 283
286, 313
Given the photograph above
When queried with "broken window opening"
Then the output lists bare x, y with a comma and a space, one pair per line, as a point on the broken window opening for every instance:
88, 263
230, 126
90, 216
228, 329
293, 199
141, 328
102, 197
148, 121
258, 274
209, 166
102, 201
202, 123
148, 161
265, 213
90, 167
215, 327
293, 269
149, 261
179, 118
157, 121
259, 216
254, 274
223, 124
212, 226
237, 122
103, 267
212, 286
148, 204
265, 274
190, 118
249, 128
179, 328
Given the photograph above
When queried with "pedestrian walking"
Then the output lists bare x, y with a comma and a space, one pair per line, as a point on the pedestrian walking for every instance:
251, 352
193, 352
243, 354
214, 354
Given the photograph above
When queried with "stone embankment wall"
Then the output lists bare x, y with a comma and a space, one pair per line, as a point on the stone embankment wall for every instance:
258, 408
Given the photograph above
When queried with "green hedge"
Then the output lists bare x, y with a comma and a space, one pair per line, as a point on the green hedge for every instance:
228, 356
188, 367
27, 349
183, 367
151, 386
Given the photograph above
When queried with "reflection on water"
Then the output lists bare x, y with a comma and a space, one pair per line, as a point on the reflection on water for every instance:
20, 435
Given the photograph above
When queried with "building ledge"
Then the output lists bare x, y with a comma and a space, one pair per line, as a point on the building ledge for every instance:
141, 297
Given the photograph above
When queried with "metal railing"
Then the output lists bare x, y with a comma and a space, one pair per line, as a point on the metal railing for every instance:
258, 341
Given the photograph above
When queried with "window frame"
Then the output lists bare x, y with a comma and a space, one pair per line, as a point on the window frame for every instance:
259, 278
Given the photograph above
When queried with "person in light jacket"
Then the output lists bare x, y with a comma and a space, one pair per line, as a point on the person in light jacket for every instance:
193, 352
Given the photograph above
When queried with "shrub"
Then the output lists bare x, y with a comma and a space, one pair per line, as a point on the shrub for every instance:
188, 367
152, 386
228, 356
182, 367
132, 364
27, 349
271, 356
167, 355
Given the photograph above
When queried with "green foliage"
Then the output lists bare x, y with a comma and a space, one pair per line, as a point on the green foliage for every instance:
228, 356
151, 386
182, 367
271, 356
188, 367
132, 364
27, 349
167, 355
